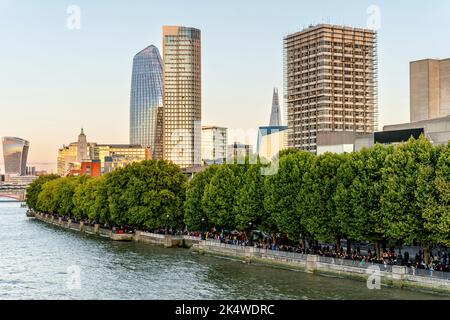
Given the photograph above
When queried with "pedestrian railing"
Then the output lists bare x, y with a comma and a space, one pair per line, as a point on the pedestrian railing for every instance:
429, 273
191, 238
301, 258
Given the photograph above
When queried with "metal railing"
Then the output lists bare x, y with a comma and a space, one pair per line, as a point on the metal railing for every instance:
428, 273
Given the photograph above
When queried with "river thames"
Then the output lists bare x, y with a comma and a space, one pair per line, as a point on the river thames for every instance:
38, 261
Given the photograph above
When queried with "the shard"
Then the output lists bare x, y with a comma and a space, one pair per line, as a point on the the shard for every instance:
275, 116
146, 101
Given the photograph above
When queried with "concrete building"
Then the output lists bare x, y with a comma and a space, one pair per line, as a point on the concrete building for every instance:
15, 154
429, 89
182, 95
214, 145
436, 130
330, 79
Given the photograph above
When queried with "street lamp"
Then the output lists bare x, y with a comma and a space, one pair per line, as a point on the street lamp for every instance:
250, 240
167, 219
203, 229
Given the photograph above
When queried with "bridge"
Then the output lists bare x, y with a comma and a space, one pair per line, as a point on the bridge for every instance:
12, 192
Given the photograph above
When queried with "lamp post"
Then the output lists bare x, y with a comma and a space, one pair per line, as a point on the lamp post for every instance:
203, 229
167, 219
250, 240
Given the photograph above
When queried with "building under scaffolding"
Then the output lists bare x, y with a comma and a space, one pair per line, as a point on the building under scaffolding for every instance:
330, 85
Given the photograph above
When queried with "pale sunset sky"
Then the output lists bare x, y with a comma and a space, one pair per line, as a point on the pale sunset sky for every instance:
54, 80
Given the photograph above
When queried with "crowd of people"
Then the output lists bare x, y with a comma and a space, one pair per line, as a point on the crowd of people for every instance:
439, 262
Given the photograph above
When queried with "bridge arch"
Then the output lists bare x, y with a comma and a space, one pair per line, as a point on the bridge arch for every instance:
12, 196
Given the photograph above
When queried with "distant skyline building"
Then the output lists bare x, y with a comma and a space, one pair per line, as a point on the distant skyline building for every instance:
330, 79
110, 156
82, 147
182, 95
271, 140
275, 115
237, 152
146, 101
429, 89
214, 145
15, 153
274, 137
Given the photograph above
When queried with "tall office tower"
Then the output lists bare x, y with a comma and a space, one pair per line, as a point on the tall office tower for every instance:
182, 95
330, 78
82, 147
15, 153
275, 115
146, 101
214, 145
429, 89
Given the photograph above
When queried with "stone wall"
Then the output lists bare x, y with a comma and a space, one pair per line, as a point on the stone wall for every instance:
398, 276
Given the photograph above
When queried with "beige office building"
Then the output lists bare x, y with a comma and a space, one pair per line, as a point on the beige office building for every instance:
429, 89
119, 155
182, 95
330, 84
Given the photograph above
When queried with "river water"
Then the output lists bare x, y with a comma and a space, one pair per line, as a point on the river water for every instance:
39, 261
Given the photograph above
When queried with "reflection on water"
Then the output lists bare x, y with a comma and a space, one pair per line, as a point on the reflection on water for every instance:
38, 261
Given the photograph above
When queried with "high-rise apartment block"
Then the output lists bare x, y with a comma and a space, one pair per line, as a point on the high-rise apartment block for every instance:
429, 89
330, 77
182, 95
146, 102
214, 145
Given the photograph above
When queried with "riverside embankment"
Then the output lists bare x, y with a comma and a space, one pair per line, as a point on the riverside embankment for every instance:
168, 241
386, 275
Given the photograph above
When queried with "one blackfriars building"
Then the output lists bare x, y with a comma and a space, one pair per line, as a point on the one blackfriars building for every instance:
330, 79
15, 153
146, 101
182, 95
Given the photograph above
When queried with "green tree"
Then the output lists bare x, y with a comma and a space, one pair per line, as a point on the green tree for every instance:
48, 201
281, 194
407, 169
35, 188
316, 199
219, 197
433, 197
250, 200
195, 216
148, 194
358, 194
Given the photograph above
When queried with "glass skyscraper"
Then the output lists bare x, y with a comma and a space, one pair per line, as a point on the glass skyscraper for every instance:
146, 101
15, 153
182, 95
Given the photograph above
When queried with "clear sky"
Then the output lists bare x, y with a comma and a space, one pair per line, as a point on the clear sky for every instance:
54, 80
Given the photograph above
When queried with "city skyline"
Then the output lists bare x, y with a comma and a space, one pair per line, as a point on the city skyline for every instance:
80, 85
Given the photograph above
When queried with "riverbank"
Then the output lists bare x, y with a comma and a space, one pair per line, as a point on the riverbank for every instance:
388, 275
167, 241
